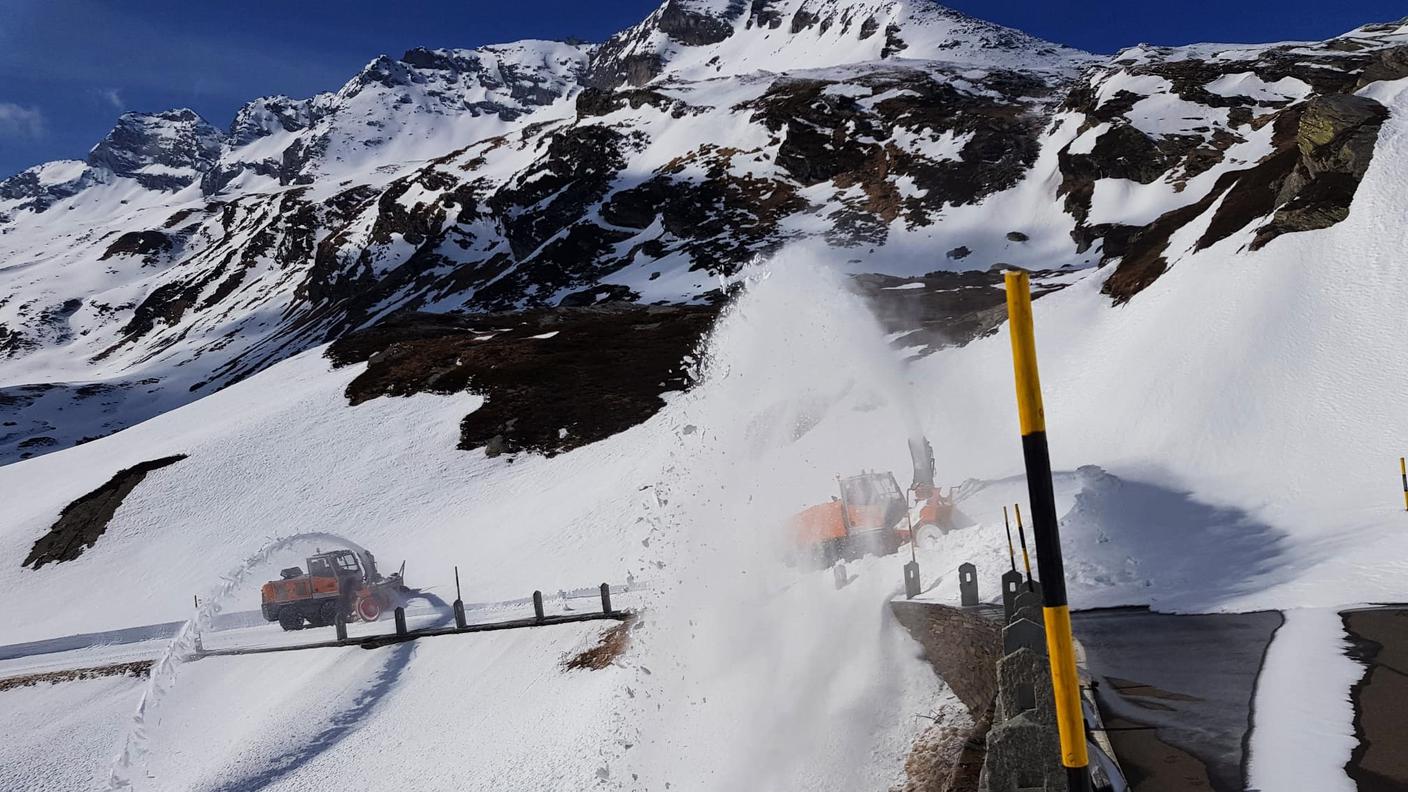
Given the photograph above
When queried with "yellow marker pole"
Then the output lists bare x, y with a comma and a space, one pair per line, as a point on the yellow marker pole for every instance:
1403, 471
1011, 552
1022, 535
1059, 646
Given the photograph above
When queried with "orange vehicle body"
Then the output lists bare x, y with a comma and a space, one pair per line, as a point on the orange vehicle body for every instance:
871, 515
340, 582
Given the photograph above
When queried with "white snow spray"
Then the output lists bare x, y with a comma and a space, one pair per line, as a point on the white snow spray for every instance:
185, 647
755, 674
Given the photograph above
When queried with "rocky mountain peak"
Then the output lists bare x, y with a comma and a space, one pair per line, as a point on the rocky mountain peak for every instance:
162, 151
266, 115
698, 39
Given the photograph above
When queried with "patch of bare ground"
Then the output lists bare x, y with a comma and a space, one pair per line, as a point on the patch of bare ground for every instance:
614, 642
84, 520
943, 309
947, 756
137, 668
552, 379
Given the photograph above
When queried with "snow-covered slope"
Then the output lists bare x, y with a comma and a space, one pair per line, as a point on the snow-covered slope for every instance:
735, 647
1221, 366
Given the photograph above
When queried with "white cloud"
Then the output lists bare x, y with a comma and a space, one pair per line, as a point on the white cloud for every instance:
17, 121
111, 96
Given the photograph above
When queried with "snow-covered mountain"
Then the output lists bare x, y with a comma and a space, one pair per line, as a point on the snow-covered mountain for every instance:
906, 137
281, 327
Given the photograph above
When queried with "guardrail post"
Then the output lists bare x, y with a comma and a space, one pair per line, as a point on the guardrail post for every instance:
1011, 587
400, 620
968, 583
340, 625
912, 587
605, 598
538, 606
460, 622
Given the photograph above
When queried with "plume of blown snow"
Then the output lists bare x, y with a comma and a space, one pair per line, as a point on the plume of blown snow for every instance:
755, 673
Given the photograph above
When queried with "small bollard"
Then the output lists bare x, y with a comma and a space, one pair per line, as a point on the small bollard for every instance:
912, 587
1028, 606
538, 605
400, 621
340, 624
460, 622
839, 572
605, 598
968, 583
1011, 587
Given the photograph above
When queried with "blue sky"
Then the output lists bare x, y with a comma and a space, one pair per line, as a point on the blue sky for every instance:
68, 67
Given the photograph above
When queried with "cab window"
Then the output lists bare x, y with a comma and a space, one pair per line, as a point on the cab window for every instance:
347, 562
319, 567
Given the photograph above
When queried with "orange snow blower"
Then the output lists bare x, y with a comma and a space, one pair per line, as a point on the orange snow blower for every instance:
337, 582
872, 516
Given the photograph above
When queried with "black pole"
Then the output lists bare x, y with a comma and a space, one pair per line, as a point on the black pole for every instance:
1011, 553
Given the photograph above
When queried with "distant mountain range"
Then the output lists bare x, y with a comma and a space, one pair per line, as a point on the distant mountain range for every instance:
898, 138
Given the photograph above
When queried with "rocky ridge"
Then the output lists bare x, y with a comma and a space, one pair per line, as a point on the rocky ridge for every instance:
896, 138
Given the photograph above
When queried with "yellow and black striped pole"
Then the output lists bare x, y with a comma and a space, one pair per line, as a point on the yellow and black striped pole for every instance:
1022, 534
1011, 552
1403, 471
1059, 647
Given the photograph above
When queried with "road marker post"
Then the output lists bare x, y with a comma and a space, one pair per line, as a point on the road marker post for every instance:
1070, 720
460, 622
1403, 471
1011, 579
1011, 551
1026, 559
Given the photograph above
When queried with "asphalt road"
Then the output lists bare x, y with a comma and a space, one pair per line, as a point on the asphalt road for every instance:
1176, 692
1380, 636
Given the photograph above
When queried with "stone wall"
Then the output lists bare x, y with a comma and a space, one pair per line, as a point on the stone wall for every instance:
962, 644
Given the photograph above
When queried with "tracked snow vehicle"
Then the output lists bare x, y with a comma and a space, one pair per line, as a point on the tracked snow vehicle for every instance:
339, 582
871, 515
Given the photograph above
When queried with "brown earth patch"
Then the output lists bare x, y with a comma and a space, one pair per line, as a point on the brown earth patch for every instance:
946, 758
614, 642
136, 668
84, 520
552, 379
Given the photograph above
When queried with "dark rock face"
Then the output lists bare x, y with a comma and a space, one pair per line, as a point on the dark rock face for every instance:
943, 309
552, 380
263, 117
139, 243
832, 137
36, 195
82, 522
162, 151
1335, 141
691, 27
1322, 146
